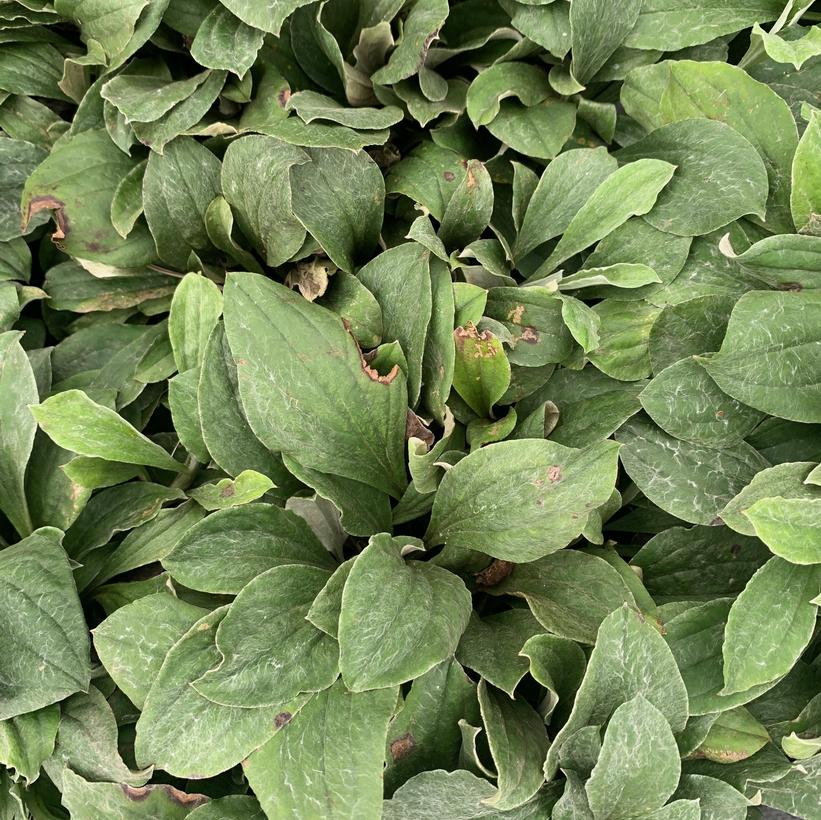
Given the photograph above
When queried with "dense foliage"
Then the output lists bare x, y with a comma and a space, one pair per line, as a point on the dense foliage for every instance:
410, 409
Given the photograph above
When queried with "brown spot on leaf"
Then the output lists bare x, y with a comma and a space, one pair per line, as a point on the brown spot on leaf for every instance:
281, 719
374, 374
530, 335
482, 347
49, 203
416, 428
494, 573
449, 176
793, 287
471, 179
515, 315
720, 414
283, 97
138, 794
735, 550
554, 473
402, 746
227, 491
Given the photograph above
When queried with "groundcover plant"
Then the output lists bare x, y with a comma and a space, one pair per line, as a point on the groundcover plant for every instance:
410, 409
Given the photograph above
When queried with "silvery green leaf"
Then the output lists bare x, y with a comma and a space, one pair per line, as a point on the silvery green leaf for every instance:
570, 593
328, 759
719, 176
537, 486
188, 735
776, 598
630, 658
518, 743
87, 800
338, 196
257, 311
376, 644
690, 481
133, 641
41, 609
790, 527
805, 202
229, 548
639, 767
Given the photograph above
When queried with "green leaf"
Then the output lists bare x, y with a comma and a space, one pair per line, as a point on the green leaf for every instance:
224, 41
796, 52
290, 656
717, 799
195, 311
457, 794
470, 208
77, 182
686, 403
225, 551
400, 280
690, 481
339, 197
788, 480
425, 734
695, 637
481, 373
597, 30
790, 527
805, 202
767, 363
698, 563
256, 183
311, 106
18, 391
621, 275
719, 176
343, 406
87, 742
145, 99
188, 735
736, 735
570, 593
639, 767
421, 26
630, 658
27, 740
328, 759
682, 89
133, 641
629, 191
45, 631
225, 430
775, 601
521, 500
248, 486
379, 642
526, 82
624, 339
73, 421
673, 25
566, 184
491, 647
518, 743
178, 186
689, 329
86, 800
539, 131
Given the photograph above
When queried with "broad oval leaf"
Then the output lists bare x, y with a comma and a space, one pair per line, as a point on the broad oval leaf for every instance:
520, 500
